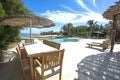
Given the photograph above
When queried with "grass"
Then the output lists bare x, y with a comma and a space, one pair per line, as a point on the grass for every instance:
117, 42
12, 45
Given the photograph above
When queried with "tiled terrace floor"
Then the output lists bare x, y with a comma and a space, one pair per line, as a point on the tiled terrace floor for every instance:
105, 66
11, 70
80, 63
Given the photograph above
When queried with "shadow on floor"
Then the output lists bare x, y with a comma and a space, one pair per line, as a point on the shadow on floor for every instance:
105, 66
12, 70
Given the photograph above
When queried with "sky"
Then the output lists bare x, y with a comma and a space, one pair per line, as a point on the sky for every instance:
61, 12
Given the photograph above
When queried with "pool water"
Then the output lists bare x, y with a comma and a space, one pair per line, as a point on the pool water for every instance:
60, 40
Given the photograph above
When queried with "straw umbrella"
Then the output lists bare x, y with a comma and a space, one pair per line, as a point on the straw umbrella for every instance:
26, 21
112, 13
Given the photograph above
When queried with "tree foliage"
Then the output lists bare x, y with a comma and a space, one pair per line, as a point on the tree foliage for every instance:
67, 29
92, 25
2, 12
50, 33
82, 30
9, 33
12, 7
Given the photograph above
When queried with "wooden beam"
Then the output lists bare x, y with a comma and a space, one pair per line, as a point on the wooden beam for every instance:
113, 32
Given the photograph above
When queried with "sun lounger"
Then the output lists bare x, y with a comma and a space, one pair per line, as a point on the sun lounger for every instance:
105, 45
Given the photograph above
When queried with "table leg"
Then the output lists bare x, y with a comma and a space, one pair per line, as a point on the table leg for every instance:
31, 67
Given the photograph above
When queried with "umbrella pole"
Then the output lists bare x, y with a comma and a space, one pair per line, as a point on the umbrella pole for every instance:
30, 28
113, 34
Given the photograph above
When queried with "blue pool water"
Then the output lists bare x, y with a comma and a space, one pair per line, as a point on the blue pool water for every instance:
60, 40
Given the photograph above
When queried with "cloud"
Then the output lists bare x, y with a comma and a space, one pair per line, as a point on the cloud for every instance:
92, 16
94, 3
72, 16
61, 16
84, 6
68, 8
66, 17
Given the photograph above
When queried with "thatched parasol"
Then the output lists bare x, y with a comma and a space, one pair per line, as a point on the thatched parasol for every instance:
112, 13
26, 21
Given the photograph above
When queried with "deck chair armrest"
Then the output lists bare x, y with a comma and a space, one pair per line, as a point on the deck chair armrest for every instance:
95, 43
37, 62
25, 59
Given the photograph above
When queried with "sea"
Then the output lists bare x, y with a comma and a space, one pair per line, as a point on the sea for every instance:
26, 35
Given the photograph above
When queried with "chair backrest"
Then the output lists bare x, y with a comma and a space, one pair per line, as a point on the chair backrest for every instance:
19, 46
52, 44
22, 50
19, 54
53, 59
50, 61
29, 40
20, 57
105, 44
24, 62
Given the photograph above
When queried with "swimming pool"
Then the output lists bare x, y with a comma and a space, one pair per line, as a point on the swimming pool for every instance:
60, 40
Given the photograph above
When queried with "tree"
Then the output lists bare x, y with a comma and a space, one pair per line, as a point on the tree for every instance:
9, 33
14, 7
2, 12
67, 29
91, 24
11, 7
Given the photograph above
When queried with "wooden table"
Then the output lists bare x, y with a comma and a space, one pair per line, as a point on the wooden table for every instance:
34, 49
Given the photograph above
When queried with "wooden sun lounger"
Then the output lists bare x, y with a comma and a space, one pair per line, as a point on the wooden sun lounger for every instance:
105, 45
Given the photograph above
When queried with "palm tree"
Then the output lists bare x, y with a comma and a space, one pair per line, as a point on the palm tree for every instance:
91, 24
67, 28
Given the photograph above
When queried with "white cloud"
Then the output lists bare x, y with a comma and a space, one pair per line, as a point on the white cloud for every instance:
68, 8
84, 6
66, 17
94, 3
92, 16
61, 16
73, 16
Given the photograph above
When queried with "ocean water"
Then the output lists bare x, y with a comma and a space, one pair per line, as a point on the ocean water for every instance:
24, 35
27, 35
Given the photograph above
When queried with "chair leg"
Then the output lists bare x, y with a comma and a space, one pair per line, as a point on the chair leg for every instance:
35, 75
60, 74
23, 74
42, 76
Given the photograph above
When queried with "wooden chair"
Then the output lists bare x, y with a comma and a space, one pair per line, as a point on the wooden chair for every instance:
23, 52
24, 61
52, 44
46, 67
29, 40
105, 45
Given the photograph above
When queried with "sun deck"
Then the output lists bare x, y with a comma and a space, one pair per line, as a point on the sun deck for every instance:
79, 63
